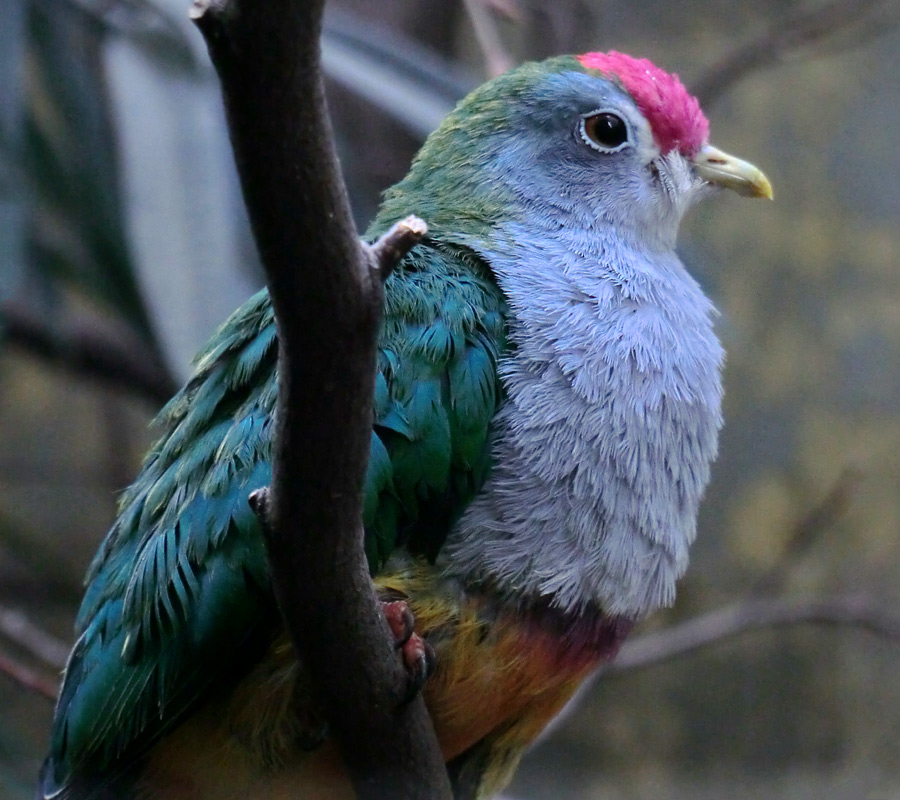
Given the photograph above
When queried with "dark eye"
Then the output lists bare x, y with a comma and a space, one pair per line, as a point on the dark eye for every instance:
605, 131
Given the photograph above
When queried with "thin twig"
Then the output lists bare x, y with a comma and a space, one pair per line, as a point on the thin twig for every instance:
28, 678
851, 610
496, 58
22, 632
45, 649
396, 243
792, 33
91, 348
821, 518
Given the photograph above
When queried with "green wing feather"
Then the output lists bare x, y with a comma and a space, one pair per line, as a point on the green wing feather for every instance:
180, 587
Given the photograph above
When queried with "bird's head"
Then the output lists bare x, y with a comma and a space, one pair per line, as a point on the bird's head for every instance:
596, 139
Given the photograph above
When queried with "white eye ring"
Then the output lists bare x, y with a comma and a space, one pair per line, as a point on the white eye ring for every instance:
588, 134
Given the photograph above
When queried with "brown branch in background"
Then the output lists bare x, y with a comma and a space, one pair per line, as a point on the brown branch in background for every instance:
327, 294
851, 610
28, 678
91, 348
35, 641
821, 518
41, 647
496, 58
856, 19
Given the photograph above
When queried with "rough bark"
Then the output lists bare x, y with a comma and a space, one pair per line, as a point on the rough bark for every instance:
327, 292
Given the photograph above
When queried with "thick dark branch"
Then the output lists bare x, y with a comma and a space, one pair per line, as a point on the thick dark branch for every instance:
860, 19
328, 305
855, 611
90, 348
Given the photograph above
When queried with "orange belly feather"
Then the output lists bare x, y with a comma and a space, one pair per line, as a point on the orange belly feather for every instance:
499, 674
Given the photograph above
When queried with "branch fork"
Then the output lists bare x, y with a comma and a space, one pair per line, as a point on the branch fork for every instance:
390, 248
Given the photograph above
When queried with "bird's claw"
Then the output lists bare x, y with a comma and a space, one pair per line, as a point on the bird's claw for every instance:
418, 656
400, 620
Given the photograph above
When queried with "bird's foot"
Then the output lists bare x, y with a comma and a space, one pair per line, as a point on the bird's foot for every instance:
418, 655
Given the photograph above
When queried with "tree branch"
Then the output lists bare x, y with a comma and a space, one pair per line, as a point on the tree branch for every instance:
496, 58
90, 348
850, 610
327, 298
39, 644
46, 650
823, 516
28, 678
397, 242
791, 33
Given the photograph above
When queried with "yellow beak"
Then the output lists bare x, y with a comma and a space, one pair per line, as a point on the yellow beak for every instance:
722, 169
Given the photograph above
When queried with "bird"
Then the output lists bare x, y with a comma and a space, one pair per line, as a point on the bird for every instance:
547, 404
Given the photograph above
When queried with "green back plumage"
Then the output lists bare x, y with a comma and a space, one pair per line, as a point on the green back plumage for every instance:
452, 183
180, 587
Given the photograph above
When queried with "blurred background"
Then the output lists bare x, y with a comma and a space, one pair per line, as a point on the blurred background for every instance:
123, 243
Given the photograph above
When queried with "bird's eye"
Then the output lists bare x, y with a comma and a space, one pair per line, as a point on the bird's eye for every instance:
605, 132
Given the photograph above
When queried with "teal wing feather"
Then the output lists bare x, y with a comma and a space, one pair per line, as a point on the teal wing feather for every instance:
180, 584
436, 393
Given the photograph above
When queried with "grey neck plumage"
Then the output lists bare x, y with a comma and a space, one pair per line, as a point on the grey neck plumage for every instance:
602, 450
